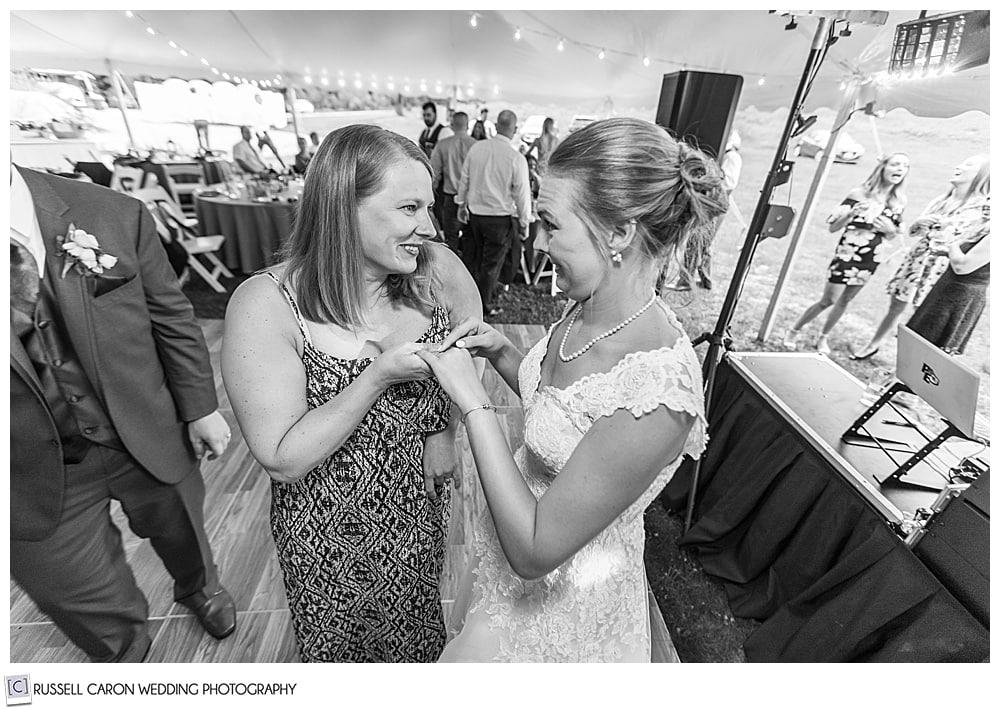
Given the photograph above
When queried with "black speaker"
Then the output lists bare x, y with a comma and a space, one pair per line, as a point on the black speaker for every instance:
956, 548
698, 107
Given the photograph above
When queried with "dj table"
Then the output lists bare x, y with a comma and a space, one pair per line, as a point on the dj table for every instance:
796, 525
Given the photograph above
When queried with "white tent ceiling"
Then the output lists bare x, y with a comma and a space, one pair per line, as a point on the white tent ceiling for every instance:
441, 46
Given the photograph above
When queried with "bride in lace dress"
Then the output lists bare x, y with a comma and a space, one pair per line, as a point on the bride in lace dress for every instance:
612, 400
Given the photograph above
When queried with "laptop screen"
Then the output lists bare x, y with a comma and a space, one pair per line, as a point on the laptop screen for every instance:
938, 378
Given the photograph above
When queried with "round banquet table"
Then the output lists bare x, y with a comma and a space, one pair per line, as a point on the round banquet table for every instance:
254, 231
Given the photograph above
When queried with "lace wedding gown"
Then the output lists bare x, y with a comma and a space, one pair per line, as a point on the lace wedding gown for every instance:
594, 606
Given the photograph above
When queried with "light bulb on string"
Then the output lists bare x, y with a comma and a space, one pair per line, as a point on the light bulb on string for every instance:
645, 61
225, 76
308, 79
358, 84
255, 84
561, 46
173, 45
600, 55
204, 61
474, 20
760, 82
406, 89
150, 30
215, 71
324, 81
129, 14
184, 53
374, 85
341, 83
517, 34
390, 86
423, 86
496, 90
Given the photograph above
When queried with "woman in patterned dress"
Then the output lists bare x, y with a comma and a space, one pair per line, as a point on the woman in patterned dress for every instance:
612, 401
870, 215
319, 363
949, 219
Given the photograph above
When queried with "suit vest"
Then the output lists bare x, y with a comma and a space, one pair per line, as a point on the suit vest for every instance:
79, 414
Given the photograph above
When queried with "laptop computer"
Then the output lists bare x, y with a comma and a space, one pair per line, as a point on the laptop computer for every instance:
938, 378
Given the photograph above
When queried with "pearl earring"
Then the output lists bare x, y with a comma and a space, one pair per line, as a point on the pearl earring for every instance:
616, 256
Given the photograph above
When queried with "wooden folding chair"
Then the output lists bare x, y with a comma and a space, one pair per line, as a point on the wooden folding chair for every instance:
182, 182
540, 273
127, 179
199, 247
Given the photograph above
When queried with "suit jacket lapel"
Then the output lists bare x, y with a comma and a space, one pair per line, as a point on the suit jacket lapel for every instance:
72, 291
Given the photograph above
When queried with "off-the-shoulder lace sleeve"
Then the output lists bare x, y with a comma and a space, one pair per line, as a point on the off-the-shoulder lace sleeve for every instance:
643, 381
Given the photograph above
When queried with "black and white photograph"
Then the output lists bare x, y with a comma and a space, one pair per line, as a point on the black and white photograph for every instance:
431, 336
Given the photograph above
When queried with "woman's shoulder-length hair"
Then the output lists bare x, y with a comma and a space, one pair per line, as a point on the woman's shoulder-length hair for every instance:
324, 254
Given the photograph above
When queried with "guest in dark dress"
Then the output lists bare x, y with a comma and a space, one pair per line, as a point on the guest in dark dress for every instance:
952, 309
870, 215
319, 361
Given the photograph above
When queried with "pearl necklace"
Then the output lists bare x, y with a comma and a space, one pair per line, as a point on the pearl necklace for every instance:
593, 341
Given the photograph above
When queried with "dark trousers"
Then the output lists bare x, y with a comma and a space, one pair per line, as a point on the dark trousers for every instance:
79, 577
698, 255
484, 249
449, 221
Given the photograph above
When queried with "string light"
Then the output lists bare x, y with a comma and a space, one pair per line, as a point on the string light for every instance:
129, 14
225, 76
215, 71
517, 34
496, 90
150, 30
173, 45
760, 82
184, 53
645, 61
474, 20
560, 46
324, 81
357, 84
204, 61
600, 55
308, 79
390, 86
341, 83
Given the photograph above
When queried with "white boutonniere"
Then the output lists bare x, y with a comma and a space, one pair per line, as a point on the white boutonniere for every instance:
81, 251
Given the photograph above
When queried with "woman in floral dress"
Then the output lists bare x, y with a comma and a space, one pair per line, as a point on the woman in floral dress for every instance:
870, 215
948, 219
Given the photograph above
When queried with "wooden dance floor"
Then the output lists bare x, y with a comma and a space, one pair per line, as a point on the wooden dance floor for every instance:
236, 517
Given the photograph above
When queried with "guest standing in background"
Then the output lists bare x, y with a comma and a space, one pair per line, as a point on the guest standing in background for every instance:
870, 215
313, 143
494, 199
950, 218
433, 131
953, 307
112, 398
483, 127
446, 165
319, 360
545, 144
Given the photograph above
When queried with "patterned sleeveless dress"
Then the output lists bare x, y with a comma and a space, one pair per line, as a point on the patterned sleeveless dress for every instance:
360, 545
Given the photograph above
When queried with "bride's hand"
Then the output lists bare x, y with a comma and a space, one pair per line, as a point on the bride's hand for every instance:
479, 338
457, 374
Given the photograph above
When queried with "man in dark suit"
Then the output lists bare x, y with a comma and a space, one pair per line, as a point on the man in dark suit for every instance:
112, 397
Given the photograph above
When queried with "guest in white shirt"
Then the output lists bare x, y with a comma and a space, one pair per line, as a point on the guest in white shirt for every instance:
494, 198
446, 164
246, 156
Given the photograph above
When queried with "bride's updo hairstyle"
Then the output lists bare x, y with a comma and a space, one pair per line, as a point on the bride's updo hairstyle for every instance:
629, 169
324, 252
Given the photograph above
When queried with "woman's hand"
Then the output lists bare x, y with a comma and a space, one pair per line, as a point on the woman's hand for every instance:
401, 364
457, 374
440, 462
479, 338
886, 226
925, 224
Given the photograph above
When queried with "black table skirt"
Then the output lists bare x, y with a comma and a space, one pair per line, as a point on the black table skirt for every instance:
255, 233
800, 550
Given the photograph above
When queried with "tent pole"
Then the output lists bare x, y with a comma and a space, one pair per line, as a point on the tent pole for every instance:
878, 143
718, 340
121, 102
819, 179
295, 114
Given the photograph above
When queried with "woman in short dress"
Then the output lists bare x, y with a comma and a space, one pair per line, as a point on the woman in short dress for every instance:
948, 219
319, 361
870, 215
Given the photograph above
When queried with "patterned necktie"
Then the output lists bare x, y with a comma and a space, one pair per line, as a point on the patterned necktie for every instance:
24, 279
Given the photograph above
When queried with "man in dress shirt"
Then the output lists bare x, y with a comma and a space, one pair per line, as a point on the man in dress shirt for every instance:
446, 162
246, 156
111, 397
494, 198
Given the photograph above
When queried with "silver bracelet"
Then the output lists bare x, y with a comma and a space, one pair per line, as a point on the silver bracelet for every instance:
486, 405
